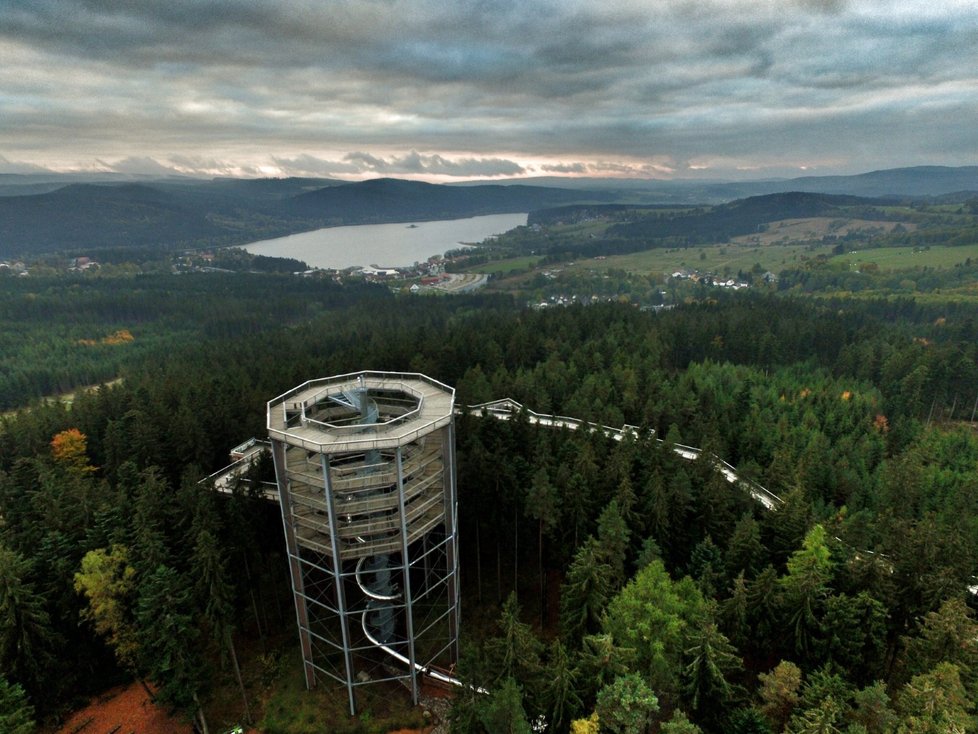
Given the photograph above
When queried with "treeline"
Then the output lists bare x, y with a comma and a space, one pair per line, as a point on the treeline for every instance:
584, 212
57, 332
685, 606
650, 591
603, 230
819, 276
745, 216
238, 260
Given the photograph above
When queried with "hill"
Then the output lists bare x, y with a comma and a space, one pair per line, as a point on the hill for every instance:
91, 216
183, 212
914, 182
177, 214
393, 200
657, 226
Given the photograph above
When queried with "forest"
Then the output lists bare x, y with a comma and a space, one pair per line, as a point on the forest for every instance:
610, 587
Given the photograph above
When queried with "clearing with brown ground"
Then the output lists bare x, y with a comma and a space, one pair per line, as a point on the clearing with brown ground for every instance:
124, 709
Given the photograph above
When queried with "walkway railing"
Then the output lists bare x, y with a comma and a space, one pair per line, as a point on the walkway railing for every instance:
507, 408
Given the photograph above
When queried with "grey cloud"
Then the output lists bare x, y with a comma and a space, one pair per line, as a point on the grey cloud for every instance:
565, 168
308, 165
414, 162
9, 166
140, 165
229, 85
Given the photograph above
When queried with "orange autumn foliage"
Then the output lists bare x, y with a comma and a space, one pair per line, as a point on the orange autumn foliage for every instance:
122, 336
69, 447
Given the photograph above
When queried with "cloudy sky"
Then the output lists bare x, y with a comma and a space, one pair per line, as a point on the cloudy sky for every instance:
454, 89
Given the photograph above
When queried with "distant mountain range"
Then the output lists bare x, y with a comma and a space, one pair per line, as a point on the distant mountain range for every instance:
919, 181
180, 214
41, 213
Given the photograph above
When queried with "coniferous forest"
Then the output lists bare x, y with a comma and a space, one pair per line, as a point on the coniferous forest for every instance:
607, 586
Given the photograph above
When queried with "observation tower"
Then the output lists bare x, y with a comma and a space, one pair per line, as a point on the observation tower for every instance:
365, 466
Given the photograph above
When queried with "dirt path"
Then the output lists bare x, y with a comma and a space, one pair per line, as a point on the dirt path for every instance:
124, 710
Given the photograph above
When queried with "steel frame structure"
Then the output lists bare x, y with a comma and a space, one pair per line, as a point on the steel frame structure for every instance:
365, 467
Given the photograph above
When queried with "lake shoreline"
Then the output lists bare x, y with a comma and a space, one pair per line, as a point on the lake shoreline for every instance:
387, 245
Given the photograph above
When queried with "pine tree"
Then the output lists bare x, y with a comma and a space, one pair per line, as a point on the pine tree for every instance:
504, 713
825, 718
26, 636
515, 650
780, 693
560, 692
215, 595
613, 536
585, 592
872, 710
706, 567
16, 714
935, 703
168, 641
745, 552
713, 661
541, 505
653, 615
626, 706
949, 634
806, 586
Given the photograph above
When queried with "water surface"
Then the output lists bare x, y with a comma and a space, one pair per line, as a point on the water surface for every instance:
385, 245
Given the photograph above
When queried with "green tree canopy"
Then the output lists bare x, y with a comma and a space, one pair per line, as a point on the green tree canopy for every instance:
654, 616
626, 706
16, 714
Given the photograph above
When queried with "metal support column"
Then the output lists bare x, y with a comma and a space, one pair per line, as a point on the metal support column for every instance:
295, 567
451, 531
406, 563
338, 574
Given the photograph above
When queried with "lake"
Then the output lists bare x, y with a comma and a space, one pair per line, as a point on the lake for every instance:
384, 245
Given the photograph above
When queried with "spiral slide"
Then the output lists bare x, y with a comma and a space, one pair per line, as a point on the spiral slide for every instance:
370, 631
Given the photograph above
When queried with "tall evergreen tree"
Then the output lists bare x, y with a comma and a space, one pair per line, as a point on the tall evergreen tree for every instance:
215, 594
613, 537
503, 712
515, 651
560, 693
27, 639
16, 714
806, 586
168, 641
541, 505
584, 593
707, 677
935, 703
780, 693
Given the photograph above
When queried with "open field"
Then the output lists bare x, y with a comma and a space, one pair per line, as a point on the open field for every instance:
714, 258
897, 258
504, 267
774, 257
786, 244
814, 228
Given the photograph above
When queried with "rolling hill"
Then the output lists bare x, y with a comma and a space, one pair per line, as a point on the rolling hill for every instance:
170, 215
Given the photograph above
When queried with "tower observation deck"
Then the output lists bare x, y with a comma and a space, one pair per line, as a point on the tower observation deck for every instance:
365, 467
